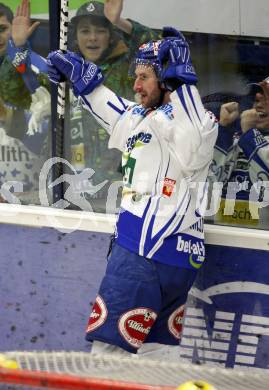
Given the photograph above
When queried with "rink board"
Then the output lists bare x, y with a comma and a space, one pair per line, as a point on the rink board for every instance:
49, 279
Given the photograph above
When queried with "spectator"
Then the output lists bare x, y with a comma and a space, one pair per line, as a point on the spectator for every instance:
20, 166
98, 33
241, 158
12, 88
101, 35
167, 144
19, 87
25, 107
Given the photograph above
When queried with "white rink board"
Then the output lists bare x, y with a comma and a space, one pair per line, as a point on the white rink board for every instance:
255, 18
232, 17
71, 220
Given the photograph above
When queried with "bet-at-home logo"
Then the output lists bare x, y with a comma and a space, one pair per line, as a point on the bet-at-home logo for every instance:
231, 339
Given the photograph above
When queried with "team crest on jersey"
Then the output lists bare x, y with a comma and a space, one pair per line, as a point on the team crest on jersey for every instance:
135, 325
168, 186
175, 322
98, 315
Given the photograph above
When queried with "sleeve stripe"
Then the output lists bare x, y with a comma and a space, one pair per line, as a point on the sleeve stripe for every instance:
173, 224
125, 106
265, 143
192, 109
94, 113
192, 100
258, 160
223, 151
182, 100
115, 108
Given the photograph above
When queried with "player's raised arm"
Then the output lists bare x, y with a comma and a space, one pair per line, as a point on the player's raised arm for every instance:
87, 79
195, 128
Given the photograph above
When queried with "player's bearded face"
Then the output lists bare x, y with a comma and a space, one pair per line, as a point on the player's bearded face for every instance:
146, 86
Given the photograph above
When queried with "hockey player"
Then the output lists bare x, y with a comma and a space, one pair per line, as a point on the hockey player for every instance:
167, 143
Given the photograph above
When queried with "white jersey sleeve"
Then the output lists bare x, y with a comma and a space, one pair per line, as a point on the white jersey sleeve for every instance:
195, 132
255, 145
105, 106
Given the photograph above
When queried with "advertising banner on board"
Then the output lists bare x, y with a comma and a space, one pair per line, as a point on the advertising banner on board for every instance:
227, 317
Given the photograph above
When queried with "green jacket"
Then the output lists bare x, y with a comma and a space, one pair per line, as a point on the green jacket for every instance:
13, 91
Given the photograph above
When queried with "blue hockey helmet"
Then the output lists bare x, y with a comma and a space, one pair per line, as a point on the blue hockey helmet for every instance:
147, 54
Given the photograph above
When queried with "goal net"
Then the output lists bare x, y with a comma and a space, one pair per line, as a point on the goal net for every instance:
79, 370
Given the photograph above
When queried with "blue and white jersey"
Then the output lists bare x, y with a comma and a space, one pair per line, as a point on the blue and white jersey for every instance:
165, 157
242, 158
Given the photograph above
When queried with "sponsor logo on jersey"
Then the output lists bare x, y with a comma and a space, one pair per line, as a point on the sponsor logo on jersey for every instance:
196, 261
167, 109
135, 325
138, 110
138, 140
98, 315
175, 322
168, 186
188, 246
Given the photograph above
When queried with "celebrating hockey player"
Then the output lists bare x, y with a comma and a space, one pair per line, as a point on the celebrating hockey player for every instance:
167, 142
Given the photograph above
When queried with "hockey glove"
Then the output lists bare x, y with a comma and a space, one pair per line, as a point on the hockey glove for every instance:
55, 76
84, 76
174, 55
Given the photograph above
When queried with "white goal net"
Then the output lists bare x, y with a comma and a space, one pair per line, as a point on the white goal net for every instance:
79, 370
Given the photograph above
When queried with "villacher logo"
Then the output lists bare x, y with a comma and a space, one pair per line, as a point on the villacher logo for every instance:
135, 325
98, 315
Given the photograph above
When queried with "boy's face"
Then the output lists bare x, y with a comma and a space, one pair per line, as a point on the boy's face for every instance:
92, 39
5, 32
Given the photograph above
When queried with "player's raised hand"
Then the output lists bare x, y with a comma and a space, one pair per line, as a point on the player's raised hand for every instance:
175, 59
249, 119
21, 24
229, 112
84, 76
112, 10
